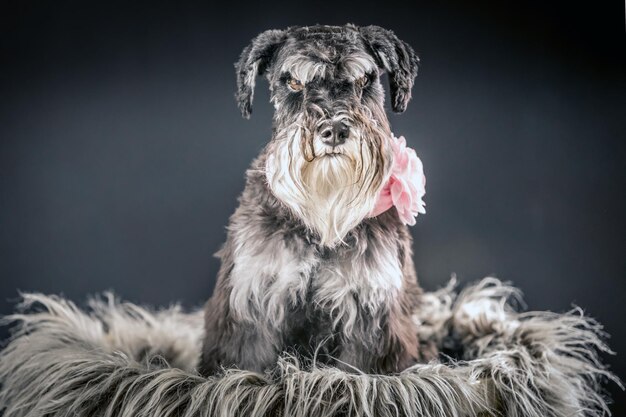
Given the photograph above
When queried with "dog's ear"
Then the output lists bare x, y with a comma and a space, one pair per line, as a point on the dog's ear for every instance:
397, 58
255, 60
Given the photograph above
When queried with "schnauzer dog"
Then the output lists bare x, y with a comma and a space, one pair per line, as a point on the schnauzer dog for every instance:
305, 268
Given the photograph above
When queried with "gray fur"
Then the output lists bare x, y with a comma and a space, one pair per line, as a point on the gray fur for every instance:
62, 361
398, 58
390, 53
254, 61
304, 270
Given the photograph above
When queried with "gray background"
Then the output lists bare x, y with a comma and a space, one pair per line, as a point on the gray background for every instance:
122, 151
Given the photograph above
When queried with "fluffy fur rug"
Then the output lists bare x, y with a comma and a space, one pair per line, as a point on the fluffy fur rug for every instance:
119, 359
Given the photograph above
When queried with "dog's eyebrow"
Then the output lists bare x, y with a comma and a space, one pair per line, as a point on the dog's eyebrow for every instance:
358, 64
306, 68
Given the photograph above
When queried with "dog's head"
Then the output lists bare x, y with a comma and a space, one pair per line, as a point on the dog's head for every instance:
329, 155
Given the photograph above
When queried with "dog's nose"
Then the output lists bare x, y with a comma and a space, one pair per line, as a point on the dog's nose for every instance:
336, 134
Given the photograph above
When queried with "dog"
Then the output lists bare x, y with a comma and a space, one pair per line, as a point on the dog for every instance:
306, 269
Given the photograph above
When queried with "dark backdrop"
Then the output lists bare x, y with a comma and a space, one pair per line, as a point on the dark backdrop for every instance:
122, 151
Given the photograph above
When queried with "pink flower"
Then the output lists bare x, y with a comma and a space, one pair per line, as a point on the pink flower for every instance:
406, 185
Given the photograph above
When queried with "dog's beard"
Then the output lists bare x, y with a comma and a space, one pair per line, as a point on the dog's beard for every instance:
331, 192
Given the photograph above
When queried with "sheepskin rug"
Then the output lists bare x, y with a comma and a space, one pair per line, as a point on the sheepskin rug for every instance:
119, 359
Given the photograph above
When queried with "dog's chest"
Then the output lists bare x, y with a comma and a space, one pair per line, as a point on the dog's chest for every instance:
342, 285
350, 284
349, 294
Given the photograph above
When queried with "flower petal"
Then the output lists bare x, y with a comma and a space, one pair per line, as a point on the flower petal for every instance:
406, 185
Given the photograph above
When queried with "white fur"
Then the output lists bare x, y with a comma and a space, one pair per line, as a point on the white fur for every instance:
326, 193
375, 285
358, 64
331, 194
266, 280
304, 69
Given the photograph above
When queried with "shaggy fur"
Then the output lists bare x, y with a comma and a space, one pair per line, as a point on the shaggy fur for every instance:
304, 269
122, 360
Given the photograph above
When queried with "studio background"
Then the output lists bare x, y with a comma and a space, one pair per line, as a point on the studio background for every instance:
122, 151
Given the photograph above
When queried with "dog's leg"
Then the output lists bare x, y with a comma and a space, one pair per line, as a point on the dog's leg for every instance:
386, 341
392, 349
229, 343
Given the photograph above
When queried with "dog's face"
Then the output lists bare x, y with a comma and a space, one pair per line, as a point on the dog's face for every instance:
329, 155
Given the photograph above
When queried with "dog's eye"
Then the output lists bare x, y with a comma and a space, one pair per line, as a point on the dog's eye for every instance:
295, 85
363, 81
